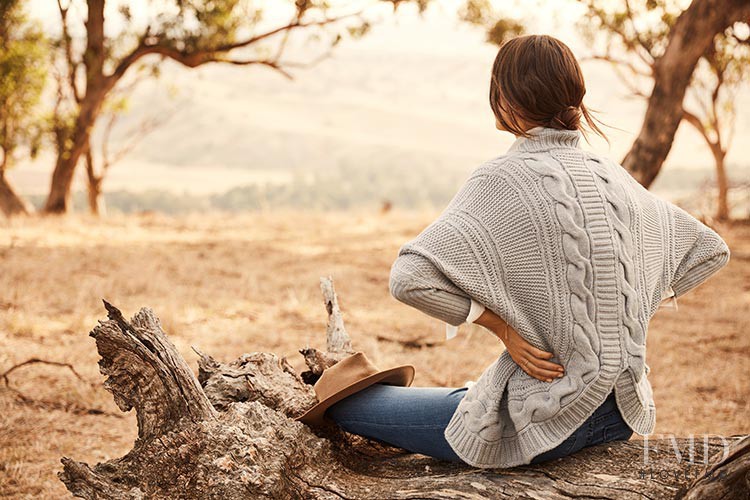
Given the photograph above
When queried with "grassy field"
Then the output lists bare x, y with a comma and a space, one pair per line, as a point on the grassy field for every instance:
234, 284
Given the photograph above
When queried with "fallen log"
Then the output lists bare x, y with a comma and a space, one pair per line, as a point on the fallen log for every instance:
230, 433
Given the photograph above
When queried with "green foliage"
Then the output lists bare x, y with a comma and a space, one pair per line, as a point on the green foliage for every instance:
499, 28
640, 27
503, 30
22, 77
215, 27
476, 12
201, 25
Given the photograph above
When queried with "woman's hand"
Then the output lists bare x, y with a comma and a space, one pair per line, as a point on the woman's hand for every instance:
533, 361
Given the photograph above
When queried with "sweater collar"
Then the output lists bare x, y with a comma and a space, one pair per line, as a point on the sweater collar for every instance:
546, 138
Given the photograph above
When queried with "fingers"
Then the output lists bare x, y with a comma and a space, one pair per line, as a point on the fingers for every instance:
538, 353
547, 365
532, 367
538, 357
541, 356
533, 361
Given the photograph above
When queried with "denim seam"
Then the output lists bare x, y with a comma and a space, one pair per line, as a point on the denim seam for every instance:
410, 426
605, 416
614, 429
589, 433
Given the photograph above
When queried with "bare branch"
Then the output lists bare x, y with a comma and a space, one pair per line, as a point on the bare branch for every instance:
636, 33
293, 25
72, 64
718, 69
32, 361
696, 122
133, 137
337, 338
265, 62
617, 65
620, 62
214, 54
285, 39
309, 64
627, 40
145, 128
64, 406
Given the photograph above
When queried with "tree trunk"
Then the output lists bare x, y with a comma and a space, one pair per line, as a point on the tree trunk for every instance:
96, 200
722, 183
10, 202
58, 200
97, 87
690, 37
231, 434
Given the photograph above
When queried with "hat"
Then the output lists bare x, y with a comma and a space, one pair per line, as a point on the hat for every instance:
348, 376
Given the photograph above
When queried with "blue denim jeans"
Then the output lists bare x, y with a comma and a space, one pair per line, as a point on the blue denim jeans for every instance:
415, 418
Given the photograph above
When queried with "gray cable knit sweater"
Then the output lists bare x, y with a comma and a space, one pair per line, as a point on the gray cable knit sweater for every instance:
576, 256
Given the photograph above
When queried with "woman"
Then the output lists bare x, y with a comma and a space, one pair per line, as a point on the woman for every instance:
563, 256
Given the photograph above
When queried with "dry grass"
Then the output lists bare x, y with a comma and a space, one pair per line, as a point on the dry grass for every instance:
236, 284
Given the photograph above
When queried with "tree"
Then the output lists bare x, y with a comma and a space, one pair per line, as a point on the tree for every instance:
690, 38
216, 35
22, 77
664, 45
192, 33
678, 53
726, 67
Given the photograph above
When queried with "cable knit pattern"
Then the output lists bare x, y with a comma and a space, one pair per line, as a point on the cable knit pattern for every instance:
575, 255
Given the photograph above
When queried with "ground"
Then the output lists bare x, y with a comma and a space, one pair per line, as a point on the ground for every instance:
234, 284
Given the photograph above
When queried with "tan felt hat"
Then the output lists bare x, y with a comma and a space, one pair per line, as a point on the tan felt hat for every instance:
350, 375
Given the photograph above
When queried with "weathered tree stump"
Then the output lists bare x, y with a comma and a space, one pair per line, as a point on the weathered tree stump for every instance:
230, 433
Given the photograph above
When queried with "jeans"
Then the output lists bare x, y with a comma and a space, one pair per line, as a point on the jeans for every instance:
415, 418
604, 425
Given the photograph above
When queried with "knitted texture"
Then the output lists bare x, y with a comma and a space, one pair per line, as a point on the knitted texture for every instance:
575, 255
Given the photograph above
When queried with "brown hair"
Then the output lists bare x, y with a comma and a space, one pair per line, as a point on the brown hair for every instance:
537, 78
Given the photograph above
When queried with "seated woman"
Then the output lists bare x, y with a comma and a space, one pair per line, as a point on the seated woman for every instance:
563, 256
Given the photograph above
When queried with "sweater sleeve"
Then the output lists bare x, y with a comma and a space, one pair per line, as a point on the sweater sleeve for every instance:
415, 281
706, 256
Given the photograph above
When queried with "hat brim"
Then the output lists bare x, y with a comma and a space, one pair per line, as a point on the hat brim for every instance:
400, 375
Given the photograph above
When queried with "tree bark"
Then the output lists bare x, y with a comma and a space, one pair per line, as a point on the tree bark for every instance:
690, 37
10, 202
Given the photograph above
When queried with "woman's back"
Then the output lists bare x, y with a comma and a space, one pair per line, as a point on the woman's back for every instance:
575, 255
565, 247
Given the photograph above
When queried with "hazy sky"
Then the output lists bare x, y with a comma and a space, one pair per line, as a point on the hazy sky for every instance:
414, 86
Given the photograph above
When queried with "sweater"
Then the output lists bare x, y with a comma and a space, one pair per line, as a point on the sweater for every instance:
576, 256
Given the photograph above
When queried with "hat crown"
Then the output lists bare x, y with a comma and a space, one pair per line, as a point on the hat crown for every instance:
344, 373
350, 375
